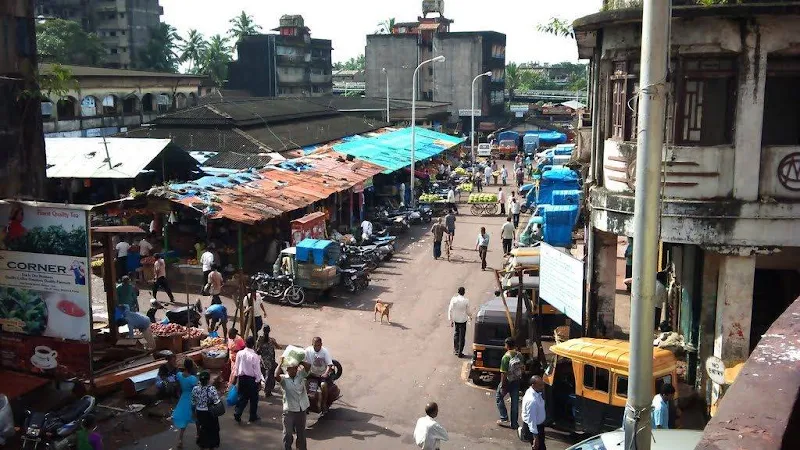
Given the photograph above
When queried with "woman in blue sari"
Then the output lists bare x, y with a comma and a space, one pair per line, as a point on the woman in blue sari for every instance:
182, 414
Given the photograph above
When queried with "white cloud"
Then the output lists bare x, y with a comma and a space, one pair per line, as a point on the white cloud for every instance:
347, 22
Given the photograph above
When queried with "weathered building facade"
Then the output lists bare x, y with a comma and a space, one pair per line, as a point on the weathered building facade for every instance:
123, 26
467, 54
730, 215
286, 64
22, 156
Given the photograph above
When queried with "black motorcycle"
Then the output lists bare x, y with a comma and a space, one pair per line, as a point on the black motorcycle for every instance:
185, 316
355, 255
277, 288
56, 430
354, 279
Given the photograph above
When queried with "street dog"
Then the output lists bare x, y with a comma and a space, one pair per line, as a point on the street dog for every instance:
383, 308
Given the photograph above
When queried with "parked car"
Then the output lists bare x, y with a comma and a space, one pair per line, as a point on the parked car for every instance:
662, 440
484, 150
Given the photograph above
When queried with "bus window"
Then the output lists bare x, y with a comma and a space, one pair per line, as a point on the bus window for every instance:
588, 376
602, 380
622, 386
595, 378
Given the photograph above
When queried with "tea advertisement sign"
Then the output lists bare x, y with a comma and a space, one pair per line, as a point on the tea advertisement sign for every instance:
45, 304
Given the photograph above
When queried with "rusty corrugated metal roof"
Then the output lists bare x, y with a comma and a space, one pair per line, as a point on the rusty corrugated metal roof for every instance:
257, 196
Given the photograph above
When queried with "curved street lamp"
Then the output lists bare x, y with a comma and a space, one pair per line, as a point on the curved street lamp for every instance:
439, 58
472, 114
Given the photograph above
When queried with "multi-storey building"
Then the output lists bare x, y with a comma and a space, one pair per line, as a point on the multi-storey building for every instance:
289, 63
123, 26
467, 54
730, 173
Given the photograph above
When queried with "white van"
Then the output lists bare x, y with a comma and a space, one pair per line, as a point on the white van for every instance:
484, 150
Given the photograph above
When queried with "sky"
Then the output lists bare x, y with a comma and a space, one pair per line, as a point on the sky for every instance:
347, 22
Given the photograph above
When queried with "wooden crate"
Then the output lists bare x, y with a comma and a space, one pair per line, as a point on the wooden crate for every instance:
172, 343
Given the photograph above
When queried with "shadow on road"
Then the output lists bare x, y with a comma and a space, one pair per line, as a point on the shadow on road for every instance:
347, 422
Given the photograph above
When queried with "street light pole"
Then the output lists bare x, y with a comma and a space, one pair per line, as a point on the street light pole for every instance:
472, 114
439, 58
650, 141
387, 94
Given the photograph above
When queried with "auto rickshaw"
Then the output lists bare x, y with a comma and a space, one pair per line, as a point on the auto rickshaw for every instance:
527, 260
587, 383
492, 327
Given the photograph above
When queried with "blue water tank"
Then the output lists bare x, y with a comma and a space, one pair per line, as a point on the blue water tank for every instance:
559, 220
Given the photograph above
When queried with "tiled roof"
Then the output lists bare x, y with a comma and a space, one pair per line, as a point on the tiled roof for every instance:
254, 196
245, 112
200, 139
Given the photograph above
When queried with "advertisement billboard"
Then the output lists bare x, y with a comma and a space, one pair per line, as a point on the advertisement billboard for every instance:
45, 302
561, 281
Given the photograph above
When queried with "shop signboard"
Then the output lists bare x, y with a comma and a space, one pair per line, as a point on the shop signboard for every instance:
561, 281
45, 301
310, 226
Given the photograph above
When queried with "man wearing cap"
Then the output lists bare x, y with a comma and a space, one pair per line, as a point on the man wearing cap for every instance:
295, 400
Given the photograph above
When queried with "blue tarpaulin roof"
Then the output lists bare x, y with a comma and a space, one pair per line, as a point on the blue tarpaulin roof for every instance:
549, 136
317, 251
393, 150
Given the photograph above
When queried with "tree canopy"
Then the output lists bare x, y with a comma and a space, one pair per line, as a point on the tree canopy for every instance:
160, 53
65, 42
357, 63
192, 50
241, 26
215, 58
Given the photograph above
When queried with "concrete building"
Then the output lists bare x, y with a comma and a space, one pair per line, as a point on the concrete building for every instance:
730, 215
467, 54
123, 26
107, 101
22, 164
290, 63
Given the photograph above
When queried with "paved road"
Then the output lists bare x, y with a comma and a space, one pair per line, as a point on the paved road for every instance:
390, 371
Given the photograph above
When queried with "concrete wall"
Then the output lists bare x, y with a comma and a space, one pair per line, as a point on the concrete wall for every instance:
396, 53
464, 60
769, 184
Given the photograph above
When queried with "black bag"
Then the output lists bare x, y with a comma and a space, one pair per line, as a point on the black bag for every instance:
525, 434
216, 409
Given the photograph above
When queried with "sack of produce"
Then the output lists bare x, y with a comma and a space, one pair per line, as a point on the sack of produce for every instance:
293, 356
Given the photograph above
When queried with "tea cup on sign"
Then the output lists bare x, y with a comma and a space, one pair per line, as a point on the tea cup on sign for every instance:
44, 357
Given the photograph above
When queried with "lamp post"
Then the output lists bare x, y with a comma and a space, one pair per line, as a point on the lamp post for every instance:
387, 93
472, 114
439, 58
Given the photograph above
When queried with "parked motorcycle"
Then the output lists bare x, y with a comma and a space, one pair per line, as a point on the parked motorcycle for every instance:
354, 279
278, 288
56, 430
352, 255
186, 316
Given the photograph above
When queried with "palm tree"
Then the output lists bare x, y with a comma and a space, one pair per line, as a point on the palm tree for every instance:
513, 79
243, 25
215, 59
557, 27
159, 54
192, 49
386, 26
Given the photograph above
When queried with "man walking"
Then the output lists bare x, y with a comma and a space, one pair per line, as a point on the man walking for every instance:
248, 380
214, 280
507, 235
534, 415
451, 199
438, 231
295, 401
515, 211
482, 246
478, 180
659, 415
487, 175
122, 249
207, 261
450, 224
265, 347
510, 373
501, 199
458, 313
428, 434
160, 271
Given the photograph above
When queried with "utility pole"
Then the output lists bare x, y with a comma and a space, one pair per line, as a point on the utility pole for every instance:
650, 141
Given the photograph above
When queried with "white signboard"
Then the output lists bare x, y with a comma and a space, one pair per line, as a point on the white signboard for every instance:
519, 108
715, 369
468, 112
561, 282
519, 114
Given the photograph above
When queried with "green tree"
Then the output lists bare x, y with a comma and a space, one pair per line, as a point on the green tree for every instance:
57, 82
357, 63
556, 26
513, 80
192, 49
386, 26
65, 42
215, 59
160, 53
243, 25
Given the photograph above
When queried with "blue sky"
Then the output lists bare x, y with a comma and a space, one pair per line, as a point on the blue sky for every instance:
347, 22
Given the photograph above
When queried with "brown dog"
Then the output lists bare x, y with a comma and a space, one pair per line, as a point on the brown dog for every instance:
383, 308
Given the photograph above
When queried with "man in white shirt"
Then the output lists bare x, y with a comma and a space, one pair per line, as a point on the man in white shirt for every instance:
428, 434
122, 256
507, 235
321, 368
145, 247
458, 313
207, 261
487, 174
295, 402
451, 200
501, 199
514, 207
534, 415
366, 230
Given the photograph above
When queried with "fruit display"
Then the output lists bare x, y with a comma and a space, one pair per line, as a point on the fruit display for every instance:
430, 198
465, 187
482, 198
97, 262
460, 171
172, 329
213, 342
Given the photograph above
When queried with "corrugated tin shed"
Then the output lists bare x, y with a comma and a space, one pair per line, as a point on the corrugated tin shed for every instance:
253, 196
86, 157
393, 150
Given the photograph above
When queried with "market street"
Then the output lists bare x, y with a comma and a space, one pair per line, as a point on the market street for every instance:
390, 371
